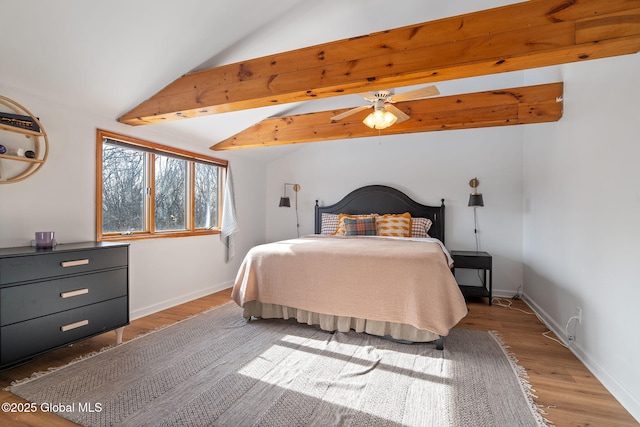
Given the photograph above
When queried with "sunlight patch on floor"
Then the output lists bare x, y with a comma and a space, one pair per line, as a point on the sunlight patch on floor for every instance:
351, 376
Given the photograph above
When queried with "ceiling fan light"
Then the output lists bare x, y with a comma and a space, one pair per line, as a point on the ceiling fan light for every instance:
380, 119
389, 118
369, 121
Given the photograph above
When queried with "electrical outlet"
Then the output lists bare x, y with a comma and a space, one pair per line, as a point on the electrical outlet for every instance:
579, 315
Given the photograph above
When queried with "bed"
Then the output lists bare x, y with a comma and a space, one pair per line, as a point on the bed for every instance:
393, 286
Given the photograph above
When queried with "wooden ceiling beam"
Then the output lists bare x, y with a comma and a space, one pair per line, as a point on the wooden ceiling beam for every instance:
524, 105
525, 35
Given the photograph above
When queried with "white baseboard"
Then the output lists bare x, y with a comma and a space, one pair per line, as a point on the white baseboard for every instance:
503, 293
550, 323
619, 391
145, 311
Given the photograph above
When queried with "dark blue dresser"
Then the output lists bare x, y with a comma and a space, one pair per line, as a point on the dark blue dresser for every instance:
54, 297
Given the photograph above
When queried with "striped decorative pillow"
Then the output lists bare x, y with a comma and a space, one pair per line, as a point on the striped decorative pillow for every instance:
398, 225
360, 226
329, 223
420, 227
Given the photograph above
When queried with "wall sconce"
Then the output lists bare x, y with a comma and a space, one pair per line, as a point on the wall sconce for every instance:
284, 200
475, 201
475, 198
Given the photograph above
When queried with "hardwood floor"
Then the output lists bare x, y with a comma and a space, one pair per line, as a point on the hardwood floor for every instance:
566, 390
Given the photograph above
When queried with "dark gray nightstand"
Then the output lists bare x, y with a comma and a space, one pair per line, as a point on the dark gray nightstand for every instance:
477, 261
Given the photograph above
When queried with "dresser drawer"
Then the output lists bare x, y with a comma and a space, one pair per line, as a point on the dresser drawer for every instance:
41, 266
25, 339
24, 302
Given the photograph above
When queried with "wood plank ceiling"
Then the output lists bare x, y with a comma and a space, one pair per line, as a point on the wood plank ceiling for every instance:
522, 36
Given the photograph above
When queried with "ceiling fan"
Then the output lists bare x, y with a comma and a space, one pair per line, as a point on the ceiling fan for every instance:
384, 112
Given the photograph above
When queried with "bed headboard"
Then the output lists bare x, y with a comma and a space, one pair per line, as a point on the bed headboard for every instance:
382, 199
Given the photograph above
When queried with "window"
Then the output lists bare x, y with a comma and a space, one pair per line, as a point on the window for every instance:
147, 190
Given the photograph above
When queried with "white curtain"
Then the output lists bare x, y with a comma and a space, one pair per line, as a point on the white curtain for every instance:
229, 220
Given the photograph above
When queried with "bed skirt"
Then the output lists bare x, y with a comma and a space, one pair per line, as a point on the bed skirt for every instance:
328, 322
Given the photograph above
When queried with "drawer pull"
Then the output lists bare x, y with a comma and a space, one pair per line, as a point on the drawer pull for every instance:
71, 326
74, 293
74, 263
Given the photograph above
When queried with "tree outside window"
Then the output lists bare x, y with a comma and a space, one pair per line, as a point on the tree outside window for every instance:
149, 190
206, 196
171, 193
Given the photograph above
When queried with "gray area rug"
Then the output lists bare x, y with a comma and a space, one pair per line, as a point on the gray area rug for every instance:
218, 369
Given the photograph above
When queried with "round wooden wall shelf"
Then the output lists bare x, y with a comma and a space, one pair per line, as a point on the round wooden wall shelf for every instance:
23, 140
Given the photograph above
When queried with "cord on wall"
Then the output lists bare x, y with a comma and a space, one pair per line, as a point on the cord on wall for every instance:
475, 229
518, 294
297, 217
578, 317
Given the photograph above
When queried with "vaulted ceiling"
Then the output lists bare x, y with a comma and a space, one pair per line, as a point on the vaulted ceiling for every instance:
107, 58
516, 37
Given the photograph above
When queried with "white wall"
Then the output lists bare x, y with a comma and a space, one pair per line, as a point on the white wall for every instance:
61, 197
427, 167
581, 211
